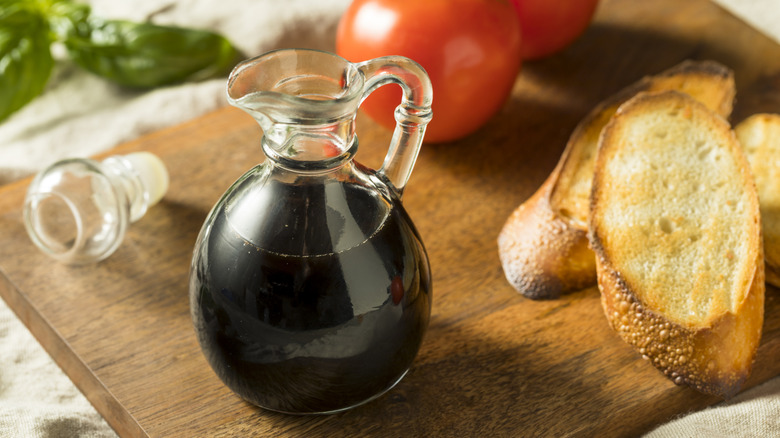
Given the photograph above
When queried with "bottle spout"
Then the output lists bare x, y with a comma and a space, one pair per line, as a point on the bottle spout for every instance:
304, 100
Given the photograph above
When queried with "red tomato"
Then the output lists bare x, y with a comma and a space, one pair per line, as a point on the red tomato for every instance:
469, 48
550, 25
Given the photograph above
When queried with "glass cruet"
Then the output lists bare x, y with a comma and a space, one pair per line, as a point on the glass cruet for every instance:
310, 288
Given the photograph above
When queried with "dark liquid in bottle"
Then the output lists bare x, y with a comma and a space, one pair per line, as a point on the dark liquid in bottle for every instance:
314, 333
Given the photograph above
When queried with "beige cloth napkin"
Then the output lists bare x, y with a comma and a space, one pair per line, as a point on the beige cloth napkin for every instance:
764, 15
81, 115
753, 413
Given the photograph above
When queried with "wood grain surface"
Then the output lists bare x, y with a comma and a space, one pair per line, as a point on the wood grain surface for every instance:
493, 363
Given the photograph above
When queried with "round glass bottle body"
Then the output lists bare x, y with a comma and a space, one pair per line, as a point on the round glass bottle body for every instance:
309, 294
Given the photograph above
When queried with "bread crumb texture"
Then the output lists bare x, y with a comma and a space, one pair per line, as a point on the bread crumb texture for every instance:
760, 138
679, 214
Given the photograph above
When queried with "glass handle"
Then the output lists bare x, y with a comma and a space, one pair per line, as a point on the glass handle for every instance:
411, 116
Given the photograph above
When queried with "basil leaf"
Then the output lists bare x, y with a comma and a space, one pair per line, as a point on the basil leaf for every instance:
64, 16
145, 55
25, 59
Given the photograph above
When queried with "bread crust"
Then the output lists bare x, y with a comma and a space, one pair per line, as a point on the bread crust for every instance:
541, 253
715, 355
543, 246
676, 350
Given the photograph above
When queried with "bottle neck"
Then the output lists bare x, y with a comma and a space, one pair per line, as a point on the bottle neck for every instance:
312, 149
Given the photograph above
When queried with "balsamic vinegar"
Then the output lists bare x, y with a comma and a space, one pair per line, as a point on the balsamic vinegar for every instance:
313, 322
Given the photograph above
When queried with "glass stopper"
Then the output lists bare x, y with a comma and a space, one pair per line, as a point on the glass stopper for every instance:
77, 210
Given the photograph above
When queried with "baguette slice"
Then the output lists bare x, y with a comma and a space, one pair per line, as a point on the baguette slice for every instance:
760, 139
676, 229
543, 245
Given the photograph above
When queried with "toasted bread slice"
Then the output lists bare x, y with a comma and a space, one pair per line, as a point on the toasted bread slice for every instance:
676, 228
543, 245
760, 139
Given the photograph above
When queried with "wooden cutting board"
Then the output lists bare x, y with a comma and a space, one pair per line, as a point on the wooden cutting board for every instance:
493, 363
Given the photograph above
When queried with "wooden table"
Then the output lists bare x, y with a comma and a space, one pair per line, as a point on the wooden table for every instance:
493, 363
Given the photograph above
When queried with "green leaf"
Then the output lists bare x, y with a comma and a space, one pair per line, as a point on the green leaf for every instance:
145, 55
64, 16
25, 59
